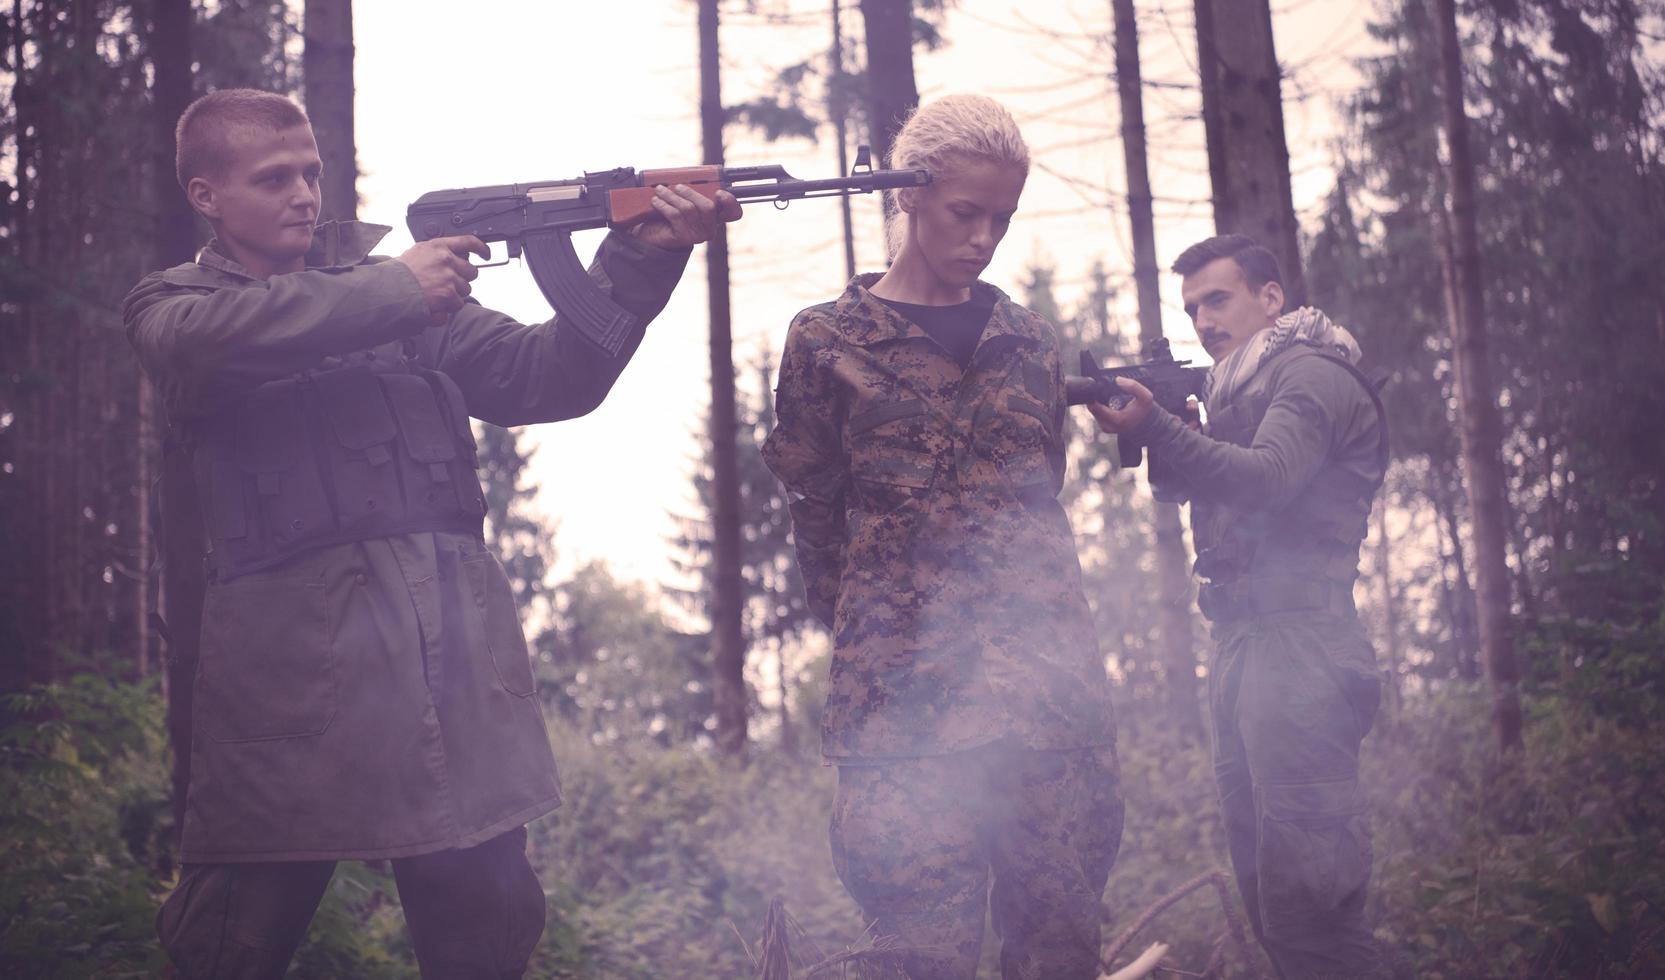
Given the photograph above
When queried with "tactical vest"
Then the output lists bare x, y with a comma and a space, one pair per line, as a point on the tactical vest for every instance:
1306, 554
378, 447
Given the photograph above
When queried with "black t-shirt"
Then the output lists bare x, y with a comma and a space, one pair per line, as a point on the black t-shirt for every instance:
957, 328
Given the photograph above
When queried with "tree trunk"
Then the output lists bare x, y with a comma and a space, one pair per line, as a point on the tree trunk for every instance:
839, 113
1178, 653
1248, 158
891, 92
1481, 427
170, 57
143, 536
22, 620
1460, 600
176, 242
728, 649
327, 71
180, 535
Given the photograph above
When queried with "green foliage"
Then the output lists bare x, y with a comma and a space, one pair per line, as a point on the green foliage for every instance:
83, 807
358, 930
1173, 833
657, 851
783, 113
659, 857
790, 109
523, 540
1545, 864
775, 606
1564, 107
249, 44
613, 666
1606, 658
775, 616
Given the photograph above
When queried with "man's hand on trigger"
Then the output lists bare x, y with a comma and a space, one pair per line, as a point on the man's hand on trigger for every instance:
1118, 421
684, 218
442, 269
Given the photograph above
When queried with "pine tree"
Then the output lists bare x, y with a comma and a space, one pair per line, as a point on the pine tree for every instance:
1173, 577
328, 70
1242, 106
728, 652
776, 610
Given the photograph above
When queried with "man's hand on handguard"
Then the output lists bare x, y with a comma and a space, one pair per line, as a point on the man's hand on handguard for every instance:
685, 218
442, 269
1118, 421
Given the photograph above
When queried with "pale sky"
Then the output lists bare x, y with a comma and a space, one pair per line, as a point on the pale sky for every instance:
521, 90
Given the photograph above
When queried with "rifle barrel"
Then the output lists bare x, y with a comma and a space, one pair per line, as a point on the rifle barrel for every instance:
790, 190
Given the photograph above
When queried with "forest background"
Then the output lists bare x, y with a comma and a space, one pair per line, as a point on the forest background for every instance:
1487, 219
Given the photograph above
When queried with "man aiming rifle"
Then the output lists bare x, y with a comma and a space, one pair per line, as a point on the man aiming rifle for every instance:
1280, 486
363, 688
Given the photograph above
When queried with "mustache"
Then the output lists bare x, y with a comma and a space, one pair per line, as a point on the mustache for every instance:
1209, 335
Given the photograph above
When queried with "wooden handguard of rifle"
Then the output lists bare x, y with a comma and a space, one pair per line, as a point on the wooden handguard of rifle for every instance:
634, 204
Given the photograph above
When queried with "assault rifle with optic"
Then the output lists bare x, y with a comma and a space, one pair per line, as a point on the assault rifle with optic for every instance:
1173, 383
539, 219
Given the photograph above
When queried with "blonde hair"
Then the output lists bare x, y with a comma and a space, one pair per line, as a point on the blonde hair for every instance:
954, 126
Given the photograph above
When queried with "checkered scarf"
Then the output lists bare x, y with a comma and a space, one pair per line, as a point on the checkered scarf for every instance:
1305, 325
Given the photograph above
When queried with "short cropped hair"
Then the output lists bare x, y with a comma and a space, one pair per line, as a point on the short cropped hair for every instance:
200, 138
1259, 265
955, 126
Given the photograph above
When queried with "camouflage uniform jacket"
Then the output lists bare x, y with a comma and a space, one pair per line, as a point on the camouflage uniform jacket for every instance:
927, 525
370, 698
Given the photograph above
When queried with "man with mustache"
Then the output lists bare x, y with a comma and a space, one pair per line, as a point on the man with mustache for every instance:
1281, 484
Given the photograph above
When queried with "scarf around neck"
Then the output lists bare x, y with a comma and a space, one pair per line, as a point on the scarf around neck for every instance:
1305, 325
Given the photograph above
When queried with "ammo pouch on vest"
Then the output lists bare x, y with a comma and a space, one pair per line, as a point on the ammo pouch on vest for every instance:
335, 456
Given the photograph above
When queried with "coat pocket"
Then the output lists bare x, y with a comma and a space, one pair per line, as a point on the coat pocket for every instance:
489, 586
361, 454
888, 464
430, 467
273, 440
267, 667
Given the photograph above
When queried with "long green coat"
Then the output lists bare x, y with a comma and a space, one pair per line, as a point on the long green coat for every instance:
372, 699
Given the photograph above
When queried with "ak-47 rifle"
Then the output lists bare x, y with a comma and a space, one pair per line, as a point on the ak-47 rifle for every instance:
539, 219
1172, 383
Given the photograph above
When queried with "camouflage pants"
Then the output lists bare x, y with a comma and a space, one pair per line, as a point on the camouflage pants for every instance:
1292, 696
473, 914
917, 841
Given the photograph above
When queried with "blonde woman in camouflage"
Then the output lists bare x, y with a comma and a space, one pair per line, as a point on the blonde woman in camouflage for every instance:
920, 436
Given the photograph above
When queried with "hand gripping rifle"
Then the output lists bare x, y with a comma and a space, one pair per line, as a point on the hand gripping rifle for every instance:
1172, 382
539, 219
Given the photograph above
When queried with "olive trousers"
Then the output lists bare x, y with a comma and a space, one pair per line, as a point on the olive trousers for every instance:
473, 914
1292, 696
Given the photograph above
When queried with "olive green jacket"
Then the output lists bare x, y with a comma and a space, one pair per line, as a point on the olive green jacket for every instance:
371, 699
1282, 481
927, 525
